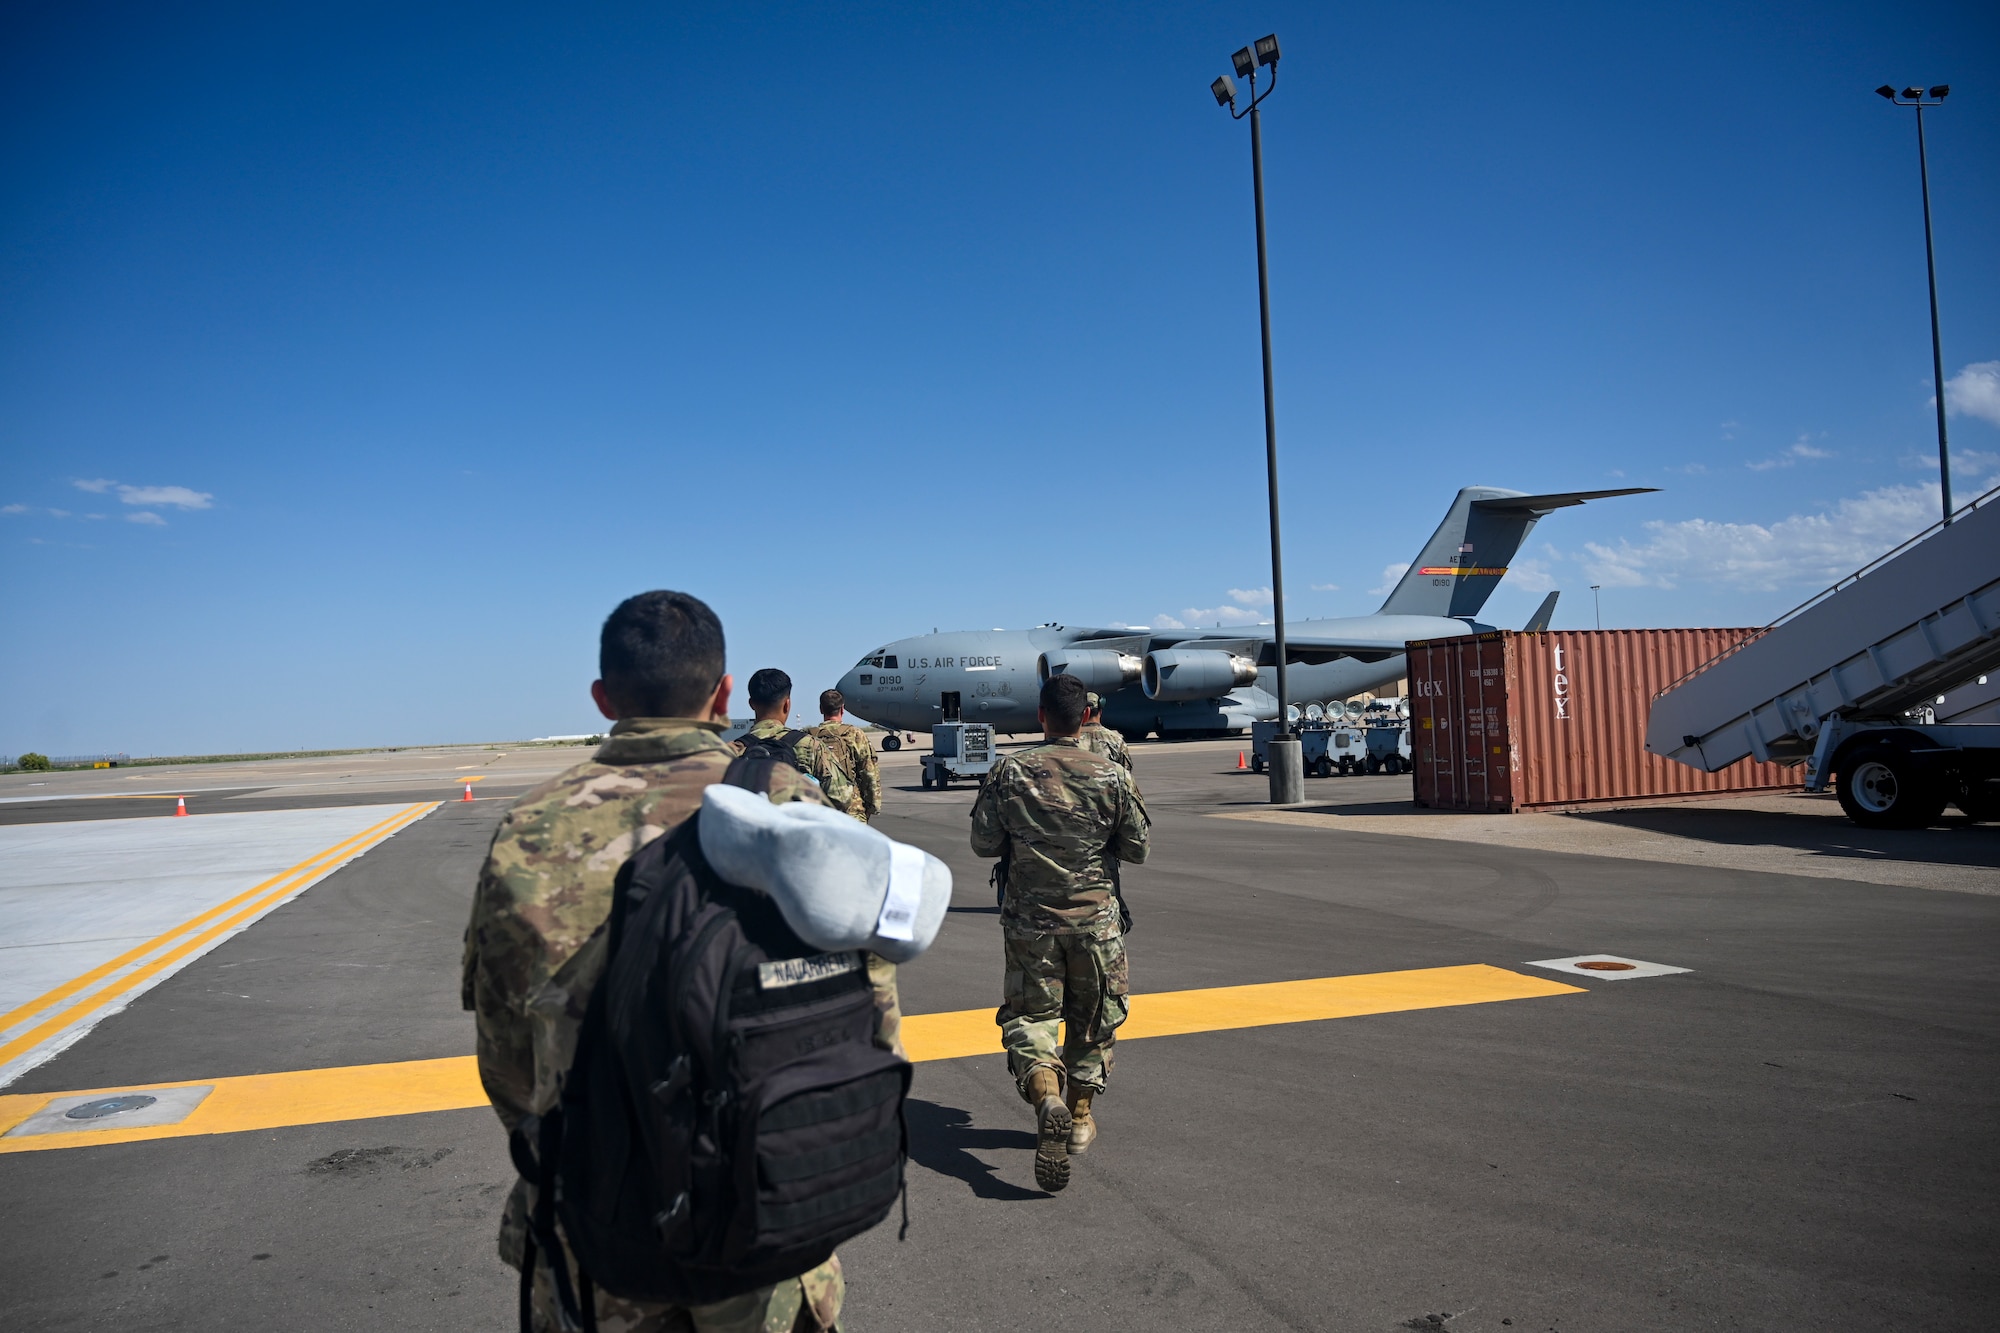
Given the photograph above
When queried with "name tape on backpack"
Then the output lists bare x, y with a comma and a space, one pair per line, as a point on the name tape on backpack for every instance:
798, 971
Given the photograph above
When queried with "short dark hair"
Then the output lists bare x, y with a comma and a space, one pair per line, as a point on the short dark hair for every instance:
831, 702
1062, 703
660, 655
768, 686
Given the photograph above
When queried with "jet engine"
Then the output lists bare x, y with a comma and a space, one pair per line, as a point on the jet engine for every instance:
1172, 675
1100, 669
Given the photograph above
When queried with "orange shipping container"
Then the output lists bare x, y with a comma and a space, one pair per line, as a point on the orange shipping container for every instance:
1509, 721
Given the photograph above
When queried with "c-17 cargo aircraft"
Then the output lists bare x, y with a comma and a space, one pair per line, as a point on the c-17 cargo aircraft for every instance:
1187, 683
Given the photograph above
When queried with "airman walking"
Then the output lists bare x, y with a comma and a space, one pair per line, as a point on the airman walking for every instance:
1059, 817
533, 951
771, 703
850, 751
1100, 739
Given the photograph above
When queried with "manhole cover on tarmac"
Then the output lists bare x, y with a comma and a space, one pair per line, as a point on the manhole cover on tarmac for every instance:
97, 1110
1607, 967
103, 1112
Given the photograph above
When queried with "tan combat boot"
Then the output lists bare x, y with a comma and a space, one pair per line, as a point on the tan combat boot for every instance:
1052, 1130
1082, 1128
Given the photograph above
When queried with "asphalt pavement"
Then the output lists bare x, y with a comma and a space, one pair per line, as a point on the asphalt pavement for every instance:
1795, 1134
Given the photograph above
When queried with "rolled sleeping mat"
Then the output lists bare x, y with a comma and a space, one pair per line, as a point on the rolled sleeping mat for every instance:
840, 884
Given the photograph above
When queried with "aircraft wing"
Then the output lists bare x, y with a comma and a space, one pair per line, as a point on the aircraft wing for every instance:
1263, 649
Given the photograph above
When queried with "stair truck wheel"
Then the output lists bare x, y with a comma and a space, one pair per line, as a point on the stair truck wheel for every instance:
928, 784
1883, 787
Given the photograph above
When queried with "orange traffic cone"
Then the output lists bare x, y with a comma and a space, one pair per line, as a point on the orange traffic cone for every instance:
1240, 760
181, 808
468, 793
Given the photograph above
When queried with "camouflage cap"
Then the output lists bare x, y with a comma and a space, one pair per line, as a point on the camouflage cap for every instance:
1091, 700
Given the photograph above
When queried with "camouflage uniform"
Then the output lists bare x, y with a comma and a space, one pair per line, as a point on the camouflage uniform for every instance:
1100, 739
855, 757
534, 950
1062, 817
814, 759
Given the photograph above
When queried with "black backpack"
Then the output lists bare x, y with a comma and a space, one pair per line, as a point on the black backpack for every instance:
728, 1119
782, 748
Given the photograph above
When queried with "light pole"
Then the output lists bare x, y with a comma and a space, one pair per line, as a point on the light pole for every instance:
1914, 97
1596, 605
1282, 754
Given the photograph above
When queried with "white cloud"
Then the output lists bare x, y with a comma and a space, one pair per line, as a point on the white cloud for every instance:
1326, 587
1208, 617
148, 517
1531, 575
1974, 392
1243, 608
13, 509
97, 485
1728, 429
1974, 463
1391, 575
1801, 448
179, 497
1804, 550
59, 513
1966, 464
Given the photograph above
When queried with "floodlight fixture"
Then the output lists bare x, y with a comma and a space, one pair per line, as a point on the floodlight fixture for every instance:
1224, 89
1245, 62
1267, 49
1942, 91
1886, 91
1913, 93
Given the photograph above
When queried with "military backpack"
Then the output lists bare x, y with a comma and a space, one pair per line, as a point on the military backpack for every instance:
781, 749
728, 1119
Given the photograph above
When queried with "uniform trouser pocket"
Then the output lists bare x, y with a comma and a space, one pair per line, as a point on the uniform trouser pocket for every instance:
1103, 1003
1065, 998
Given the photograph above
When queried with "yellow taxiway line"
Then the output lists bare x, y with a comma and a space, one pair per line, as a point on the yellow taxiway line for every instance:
363, 1092
216, 920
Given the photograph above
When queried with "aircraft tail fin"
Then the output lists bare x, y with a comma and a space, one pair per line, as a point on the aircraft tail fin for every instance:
1466, 557
1538, 623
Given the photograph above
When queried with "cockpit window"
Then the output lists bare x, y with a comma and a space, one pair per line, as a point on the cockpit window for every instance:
889, 661
886, 661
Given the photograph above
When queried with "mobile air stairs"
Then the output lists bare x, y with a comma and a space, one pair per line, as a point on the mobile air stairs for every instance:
1848, 683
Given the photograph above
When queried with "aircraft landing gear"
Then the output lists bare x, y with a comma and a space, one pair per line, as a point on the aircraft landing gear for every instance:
892, 742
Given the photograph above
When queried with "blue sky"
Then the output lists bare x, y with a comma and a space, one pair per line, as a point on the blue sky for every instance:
355, 360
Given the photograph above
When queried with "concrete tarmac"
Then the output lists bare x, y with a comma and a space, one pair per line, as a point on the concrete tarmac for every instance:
1795, 1134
